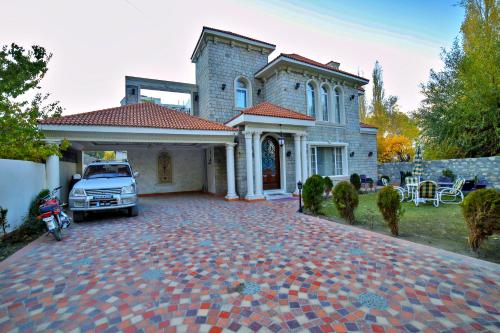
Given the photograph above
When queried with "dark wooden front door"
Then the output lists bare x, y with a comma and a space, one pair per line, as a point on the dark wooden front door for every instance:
271, 164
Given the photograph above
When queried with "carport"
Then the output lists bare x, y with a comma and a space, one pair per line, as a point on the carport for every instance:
173, 151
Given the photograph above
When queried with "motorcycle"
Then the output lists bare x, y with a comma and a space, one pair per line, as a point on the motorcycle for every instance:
51, 212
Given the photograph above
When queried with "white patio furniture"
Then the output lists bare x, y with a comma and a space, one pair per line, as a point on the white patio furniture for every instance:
452, 194
427, 191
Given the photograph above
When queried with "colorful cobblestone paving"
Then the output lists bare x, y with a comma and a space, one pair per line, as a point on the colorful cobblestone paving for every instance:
196, 263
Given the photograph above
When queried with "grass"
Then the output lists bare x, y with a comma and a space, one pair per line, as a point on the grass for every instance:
442, 227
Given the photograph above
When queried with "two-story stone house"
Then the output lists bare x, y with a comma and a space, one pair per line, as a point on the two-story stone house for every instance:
256, 126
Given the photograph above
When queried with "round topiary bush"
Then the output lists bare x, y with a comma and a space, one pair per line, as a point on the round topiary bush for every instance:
390, 206
312, 193
481, 210
356, 181
345, 198
328, 185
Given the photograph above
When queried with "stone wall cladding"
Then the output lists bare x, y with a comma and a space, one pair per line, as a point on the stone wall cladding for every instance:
241, 166
280, 89
224, 64
220, 170
483, 167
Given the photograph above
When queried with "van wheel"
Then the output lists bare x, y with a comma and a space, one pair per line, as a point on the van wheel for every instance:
57, 234
133, 211
78, 216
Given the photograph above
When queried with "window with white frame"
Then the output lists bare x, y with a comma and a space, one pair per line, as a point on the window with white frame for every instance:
241, 93
328, 161
338, 105
311, 102
324, 103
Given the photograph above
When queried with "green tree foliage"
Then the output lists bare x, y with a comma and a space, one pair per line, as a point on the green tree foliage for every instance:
460, 115
481, 210
313, 193
21, 72
346, 200
386, 116
390, 207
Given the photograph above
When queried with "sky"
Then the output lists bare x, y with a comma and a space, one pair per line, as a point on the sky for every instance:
96, 43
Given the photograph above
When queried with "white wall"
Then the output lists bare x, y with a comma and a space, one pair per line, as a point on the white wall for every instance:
187, 169
66, 171
20, 182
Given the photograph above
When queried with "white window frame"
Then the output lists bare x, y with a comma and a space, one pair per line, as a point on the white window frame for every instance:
338, 107
314, 153
248, 92
316, 99
328, 102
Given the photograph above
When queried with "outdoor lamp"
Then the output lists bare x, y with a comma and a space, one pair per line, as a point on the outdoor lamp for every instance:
281, 140
370, 154
223, 87
297, 85
299, 187
351, 154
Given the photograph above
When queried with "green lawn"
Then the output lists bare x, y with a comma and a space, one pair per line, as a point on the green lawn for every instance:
443, 227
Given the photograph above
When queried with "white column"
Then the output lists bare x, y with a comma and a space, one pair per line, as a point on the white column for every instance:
231, 189
52, 172
298, 161
303, 155
257, 152
249, 160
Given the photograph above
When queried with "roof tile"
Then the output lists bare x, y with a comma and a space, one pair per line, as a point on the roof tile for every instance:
138, 115
267, 109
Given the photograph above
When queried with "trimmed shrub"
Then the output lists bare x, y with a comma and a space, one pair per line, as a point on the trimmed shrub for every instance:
481, 210
389, 205
312, 193
328, 185
345, 198
356, 181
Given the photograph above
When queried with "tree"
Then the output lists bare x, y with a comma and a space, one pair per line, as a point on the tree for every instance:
460, 115
395, 128
395, 148
109, 155
21, 72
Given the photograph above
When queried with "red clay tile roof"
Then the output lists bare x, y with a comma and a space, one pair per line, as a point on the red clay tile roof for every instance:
138, 115
300, 58
366, 125
267, 109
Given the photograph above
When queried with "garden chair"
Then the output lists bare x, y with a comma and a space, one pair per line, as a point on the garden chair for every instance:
427, 191
455, 192
411, 185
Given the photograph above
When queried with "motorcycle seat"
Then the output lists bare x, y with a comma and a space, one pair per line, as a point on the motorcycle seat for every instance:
47, 208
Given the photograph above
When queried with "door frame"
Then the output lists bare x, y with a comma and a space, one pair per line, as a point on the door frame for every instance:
282, 156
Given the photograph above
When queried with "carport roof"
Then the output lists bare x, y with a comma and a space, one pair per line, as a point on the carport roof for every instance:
145, 115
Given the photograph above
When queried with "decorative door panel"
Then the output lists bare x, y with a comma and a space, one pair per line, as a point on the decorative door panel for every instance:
270, 163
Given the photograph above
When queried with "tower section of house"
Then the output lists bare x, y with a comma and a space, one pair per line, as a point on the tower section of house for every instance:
224, 59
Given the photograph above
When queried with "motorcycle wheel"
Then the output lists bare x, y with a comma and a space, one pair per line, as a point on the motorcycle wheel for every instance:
57, 234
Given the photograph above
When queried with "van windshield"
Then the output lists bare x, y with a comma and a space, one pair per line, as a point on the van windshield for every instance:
107, 171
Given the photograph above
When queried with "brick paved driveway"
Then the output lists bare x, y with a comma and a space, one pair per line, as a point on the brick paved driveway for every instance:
197, 263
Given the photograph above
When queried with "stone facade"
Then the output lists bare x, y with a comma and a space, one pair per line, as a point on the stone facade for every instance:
220, 64
220, 61
483, 167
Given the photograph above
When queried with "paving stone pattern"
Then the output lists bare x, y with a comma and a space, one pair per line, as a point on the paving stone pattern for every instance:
196, 263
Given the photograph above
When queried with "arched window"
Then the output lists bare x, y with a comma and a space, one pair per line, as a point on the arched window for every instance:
242, 93
324, 103
311, 100
338, 100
